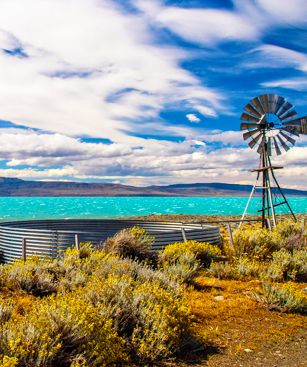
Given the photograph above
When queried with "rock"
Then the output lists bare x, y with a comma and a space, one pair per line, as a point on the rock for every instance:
247, 350
219, 298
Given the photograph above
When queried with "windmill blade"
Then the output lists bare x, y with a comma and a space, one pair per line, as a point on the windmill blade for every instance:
288, 114
252, 111
272, 102
300, 124
264, 99
283, 144
246, 125
248, 134
285, 107
295, 122
278, 152
279, 102
255, 140
258, 106
288, 138
247, 117
291, 130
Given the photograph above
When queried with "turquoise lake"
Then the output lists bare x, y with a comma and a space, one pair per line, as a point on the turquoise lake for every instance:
112, 207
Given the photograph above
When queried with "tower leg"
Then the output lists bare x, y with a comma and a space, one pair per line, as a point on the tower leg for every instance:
282, 194
248, 201
271, 202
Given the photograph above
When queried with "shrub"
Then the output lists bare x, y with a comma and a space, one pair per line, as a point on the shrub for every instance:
185, 269
162, 322
287, 266
283, 298
113, 297
203, 251
6, 361
153, 320
104, 310
35, 276
132, 242
242, 268
6, 310
291, 235
256, 244
59, 330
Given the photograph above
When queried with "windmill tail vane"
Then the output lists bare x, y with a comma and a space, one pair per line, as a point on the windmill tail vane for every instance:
271, 125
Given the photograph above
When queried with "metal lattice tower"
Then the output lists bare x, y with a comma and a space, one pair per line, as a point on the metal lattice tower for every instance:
271, 123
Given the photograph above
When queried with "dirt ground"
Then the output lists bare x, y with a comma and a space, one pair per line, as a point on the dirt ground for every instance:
240, 332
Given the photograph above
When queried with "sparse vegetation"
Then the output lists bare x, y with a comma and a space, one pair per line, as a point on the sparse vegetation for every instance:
122, 306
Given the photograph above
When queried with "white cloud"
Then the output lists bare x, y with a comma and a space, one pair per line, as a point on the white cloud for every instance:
205, 26
294, 11
299, 83
93, 70
192, 117
271, 56
153, 162
128, 76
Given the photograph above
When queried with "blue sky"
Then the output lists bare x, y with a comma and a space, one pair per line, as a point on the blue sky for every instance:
145, 92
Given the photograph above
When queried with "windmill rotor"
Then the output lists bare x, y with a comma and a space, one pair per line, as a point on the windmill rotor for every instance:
271, 125
270, 122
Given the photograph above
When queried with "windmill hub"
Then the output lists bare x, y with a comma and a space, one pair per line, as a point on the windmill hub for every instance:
271, 124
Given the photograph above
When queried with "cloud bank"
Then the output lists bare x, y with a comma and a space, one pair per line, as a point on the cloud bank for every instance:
91, 90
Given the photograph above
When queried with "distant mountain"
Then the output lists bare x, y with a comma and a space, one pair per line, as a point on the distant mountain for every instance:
18, 187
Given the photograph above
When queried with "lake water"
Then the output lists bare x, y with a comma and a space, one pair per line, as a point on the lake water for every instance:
112, 207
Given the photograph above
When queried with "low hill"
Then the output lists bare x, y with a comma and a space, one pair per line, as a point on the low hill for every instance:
18, 187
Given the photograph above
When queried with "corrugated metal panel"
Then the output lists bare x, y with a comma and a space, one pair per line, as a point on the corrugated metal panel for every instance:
50, 237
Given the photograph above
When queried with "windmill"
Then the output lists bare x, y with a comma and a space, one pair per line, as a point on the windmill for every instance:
271, 125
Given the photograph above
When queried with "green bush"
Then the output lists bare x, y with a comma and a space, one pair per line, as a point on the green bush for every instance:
287, 266
283, 298
204, 252
134, 243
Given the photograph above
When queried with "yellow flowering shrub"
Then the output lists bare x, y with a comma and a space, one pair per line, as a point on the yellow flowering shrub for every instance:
256, 244
153, 320
59, 329
6, 361
103, 310
204, 252
162, 322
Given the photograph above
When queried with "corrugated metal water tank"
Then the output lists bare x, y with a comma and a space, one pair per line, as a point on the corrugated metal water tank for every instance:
51, 237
